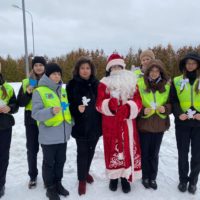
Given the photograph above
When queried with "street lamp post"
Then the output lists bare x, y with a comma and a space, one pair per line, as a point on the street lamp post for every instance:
25, 38
32, 25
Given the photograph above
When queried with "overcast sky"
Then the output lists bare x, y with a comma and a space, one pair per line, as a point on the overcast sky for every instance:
64, 25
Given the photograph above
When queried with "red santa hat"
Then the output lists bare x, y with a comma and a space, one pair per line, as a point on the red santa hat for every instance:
115, 59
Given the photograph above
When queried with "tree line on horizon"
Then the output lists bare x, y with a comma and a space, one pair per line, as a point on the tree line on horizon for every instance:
14, 69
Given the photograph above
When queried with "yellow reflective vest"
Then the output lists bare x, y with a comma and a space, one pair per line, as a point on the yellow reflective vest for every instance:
51, 99
25, 84
157, 99
187, 96
137, 72
9, 91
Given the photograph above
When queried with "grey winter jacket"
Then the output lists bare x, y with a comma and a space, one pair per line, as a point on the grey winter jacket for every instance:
49, 135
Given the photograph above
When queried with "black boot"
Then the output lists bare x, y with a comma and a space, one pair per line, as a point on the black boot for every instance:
192, 188
153, 184
113, 184
125, 185
145, 183
182, 186
61, 190
2, 191
32, 183
52, 193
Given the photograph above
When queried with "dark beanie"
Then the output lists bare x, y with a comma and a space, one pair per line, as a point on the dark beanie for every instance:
38, 59
51, 68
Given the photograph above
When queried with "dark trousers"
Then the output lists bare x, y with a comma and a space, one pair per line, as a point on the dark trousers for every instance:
85, 154
32, 146
150, 147
54, 157
5, 140
184, 137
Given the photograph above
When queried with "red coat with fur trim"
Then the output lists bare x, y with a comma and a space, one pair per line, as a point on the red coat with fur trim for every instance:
120, 136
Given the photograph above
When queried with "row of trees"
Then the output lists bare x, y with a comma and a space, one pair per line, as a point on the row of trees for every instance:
14, 69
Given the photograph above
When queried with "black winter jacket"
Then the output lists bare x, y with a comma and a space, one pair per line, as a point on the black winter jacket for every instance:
87, 124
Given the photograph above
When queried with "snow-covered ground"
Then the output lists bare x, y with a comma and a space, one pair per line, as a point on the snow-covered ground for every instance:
17, 177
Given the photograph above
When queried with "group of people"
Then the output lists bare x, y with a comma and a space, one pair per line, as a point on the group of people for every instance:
129, 108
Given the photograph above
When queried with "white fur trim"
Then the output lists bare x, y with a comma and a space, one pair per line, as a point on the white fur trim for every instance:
118, 173
135, 174
115, 62
133, 109
105, 108
131, 132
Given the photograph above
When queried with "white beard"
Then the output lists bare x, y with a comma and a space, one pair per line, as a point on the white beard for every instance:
121, 84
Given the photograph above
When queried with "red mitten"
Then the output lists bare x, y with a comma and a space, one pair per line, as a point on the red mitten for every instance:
123, 112
113, 104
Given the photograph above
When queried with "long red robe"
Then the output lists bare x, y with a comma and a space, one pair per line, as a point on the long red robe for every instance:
128, 165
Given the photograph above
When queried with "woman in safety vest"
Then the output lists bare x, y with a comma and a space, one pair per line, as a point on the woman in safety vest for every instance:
8, 106
153, 120
25, 100
185, 97
82, 92
51, 110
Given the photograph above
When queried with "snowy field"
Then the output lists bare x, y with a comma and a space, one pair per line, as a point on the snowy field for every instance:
17, 177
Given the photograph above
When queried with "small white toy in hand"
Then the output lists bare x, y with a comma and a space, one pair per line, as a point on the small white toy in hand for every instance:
2, 103
191, 113
153, 105
85, 101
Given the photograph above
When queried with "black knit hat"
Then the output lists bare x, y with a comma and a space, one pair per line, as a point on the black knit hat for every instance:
51, 68
193, 55
38, 59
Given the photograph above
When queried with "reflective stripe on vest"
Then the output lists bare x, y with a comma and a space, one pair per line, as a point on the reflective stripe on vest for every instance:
50, 99
188, 96
9, 91
157, 98
25, 84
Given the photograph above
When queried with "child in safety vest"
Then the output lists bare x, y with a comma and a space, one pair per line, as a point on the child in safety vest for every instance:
153, 120
24, 99
8, 106
51, 110
145, 57
185, 98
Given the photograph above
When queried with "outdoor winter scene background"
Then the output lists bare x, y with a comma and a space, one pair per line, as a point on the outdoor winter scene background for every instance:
17, 178
64, 31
